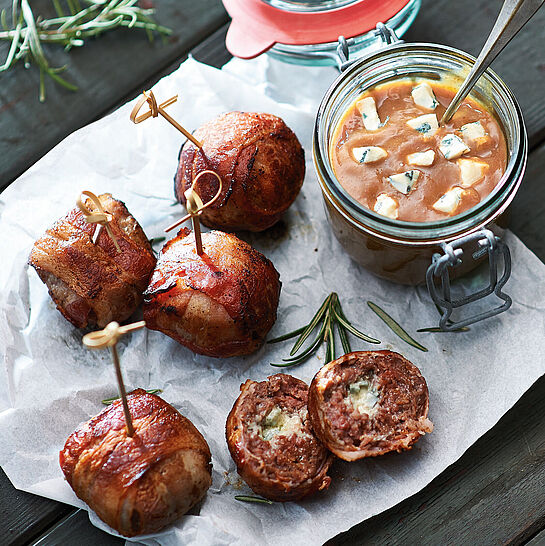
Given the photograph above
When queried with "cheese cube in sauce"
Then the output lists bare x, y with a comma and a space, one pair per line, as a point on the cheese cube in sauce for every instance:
369, 154
404, 182
450, 201
426, 125
453, 147
473, 132
386, 206
471, 171
424, 97
424, 159
368, 110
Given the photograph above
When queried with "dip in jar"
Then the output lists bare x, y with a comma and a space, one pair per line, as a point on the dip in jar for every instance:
390, 154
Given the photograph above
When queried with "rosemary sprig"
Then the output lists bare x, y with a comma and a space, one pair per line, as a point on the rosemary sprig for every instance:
29, 34
332, 318
108, 401
248, 498
395, 327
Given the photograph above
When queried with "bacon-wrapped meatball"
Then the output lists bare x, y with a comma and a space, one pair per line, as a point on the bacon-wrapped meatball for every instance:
220, 304
261, 163
368, 403
138, 484
93, 284
271, 440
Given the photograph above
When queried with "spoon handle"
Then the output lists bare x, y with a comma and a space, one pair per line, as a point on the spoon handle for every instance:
513, 16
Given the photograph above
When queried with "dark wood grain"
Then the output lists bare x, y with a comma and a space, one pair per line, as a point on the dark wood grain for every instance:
106, 70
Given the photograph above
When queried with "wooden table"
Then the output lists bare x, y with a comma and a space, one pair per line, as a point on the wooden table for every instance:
495, 494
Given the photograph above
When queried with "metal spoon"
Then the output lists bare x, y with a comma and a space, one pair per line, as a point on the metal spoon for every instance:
513, 16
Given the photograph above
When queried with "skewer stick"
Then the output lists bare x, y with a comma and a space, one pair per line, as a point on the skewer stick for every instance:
158, 110
100, 218
195, 206
108, 338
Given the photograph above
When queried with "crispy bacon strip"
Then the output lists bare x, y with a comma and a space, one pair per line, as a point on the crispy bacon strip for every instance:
141, 483
93, 284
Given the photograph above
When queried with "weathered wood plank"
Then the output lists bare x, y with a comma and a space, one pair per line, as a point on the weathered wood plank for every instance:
538, 540
106, 70
22, 515
77, 525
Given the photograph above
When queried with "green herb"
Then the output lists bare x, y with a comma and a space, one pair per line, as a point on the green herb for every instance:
28, 34
440, 330
155, 240
108, 401
247, 498
395, 327
332, 318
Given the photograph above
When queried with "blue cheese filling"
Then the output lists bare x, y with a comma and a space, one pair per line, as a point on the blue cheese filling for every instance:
424, 97
364, 397
386, 206
281, 423
404, 182
421, 159
473, 133
471, 171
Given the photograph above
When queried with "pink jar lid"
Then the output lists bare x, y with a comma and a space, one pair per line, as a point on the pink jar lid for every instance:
256, 26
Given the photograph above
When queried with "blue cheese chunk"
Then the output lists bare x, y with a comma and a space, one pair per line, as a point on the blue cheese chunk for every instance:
424, 97
423, 159
453, 147
426, 125
404, 182
386, 206
368, 110
450, 201
473, 133
363, 397
471, 171
369, 154
280, 423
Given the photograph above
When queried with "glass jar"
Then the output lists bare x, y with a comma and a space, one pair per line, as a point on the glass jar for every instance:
325, 54
397, 250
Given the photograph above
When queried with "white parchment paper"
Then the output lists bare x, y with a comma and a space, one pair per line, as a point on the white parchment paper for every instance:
51, 384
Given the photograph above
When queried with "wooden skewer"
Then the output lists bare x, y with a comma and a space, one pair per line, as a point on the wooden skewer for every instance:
108, 338
195, 206
100, 218
156, 110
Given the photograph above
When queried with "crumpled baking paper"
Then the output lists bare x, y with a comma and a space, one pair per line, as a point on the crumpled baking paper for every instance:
51, 383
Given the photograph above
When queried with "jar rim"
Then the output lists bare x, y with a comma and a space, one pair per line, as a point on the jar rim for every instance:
486, 210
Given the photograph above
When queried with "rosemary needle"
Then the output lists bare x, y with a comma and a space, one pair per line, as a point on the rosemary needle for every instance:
440, 330
248, 498
395, 327
108, 401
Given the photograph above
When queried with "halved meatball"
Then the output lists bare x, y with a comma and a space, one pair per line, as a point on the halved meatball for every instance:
368, 403
261, 163
271, 440
220, 304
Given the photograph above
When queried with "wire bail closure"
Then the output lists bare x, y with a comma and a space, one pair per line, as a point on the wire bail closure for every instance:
195, 207
108, 338
100, 218
440, 292
158, 110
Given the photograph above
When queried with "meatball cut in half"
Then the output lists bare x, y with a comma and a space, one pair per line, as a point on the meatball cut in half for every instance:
368, 403
220, 304
138, 484
92, 283
271, 440
261, 163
